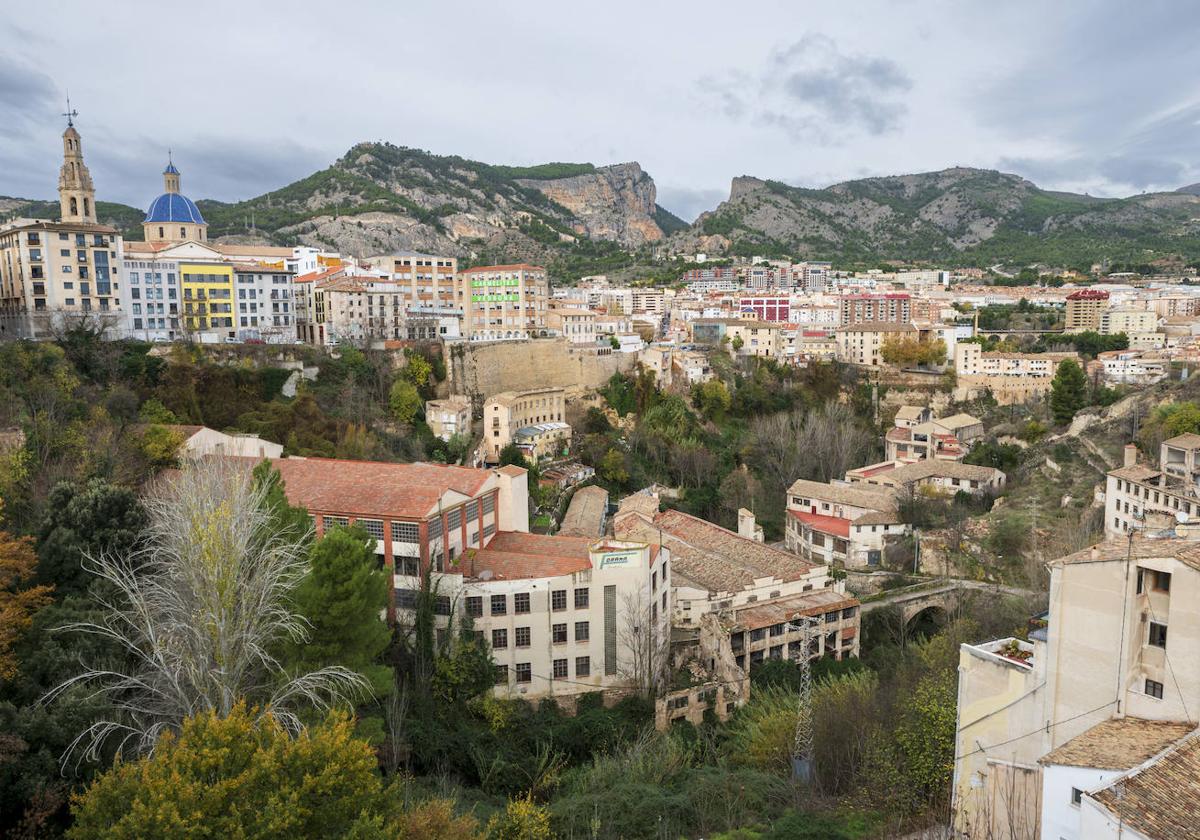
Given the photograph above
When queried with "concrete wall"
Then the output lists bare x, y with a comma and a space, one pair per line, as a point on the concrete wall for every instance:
479, 370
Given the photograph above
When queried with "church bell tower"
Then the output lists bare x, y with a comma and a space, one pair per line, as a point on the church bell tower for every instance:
76, 195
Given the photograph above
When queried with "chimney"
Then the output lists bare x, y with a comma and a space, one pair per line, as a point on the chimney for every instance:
747, 527
1130, 455
1094, 553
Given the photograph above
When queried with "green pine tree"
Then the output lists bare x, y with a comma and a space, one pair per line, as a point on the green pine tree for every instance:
343, 598
1068, 391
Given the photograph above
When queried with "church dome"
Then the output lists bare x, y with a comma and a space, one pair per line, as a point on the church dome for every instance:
173, 207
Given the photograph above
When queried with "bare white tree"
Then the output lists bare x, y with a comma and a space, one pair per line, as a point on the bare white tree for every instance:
198, 609
645, 644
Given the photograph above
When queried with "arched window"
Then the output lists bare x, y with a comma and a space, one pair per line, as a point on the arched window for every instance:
183, 233
74, 207
87, 207
160, 233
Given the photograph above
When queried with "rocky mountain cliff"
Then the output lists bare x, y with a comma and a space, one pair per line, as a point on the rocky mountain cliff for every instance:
379, 197
964, 215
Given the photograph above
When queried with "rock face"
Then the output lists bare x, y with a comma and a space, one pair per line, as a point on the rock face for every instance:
616, 203
956, 213
379, 197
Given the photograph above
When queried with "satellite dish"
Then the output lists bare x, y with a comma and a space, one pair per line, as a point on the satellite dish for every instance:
1181, 517
486, 574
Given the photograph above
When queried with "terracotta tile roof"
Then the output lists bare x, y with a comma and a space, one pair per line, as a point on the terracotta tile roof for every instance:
514, 267
779, 610
1138, 472
937, 468
825, 524
878, 517
1118, 743
585, 514
1185, 551
374, 488
315, 276
958, 421
877, 326
513, 555
1162, 799
845, 494
707, 555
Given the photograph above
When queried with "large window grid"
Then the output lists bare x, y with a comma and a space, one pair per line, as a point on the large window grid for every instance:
407, 532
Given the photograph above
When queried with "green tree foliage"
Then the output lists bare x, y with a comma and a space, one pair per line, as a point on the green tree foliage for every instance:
342, 598
160, 446
1167, 421
404, 401
153, 411
239, 776
612, 468
85, 520
523, 819
1068, 391
417, 369
903, 351
1000, 456
711, 399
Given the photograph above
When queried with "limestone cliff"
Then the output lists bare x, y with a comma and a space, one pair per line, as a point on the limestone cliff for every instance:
616, 203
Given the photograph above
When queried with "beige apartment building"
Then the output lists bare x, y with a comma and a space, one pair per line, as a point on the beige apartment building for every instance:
1084, 308
504, 301
577, 326
509, 412
449, 417
429, 285
1129, 321
1139, 497
1011, 377
1121, 643
862, 344
55, 272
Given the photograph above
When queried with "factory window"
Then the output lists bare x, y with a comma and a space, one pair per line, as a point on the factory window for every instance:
558, 600
499, 639
524, 672
521, 602
499, 605
474, 606
581, 598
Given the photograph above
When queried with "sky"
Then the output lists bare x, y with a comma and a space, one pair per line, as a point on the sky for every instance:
1097, 96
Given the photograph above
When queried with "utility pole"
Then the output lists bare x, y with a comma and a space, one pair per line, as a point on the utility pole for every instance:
802, 745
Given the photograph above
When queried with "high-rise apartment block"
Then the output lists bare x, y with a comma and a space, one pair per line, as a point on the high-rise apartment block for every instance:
504, 301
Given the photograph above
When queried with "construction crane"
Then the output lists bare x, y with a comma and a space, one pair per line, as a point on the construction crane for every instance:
802, 746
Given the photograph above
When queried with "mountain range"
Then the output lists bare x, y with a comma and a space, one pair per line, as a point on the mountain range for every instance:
580, 218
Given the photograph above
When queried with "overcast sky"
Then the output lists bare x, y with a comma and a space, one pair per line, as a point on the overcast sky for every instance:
1100, 96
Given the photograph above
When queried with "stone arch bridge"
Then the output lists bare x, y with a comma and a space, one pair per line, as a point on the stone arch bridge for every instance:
935, 598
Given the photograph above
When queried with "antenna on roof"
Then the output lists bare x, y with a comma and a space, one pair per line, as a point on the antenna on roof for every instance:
70, 113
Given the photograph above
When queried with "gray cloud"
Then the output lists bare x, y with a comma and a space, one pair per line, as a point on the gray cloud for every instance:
851, 91
812, 90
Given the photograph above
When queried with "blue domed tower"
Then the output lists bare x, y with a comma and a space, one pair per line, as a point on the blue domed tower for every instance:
173, 217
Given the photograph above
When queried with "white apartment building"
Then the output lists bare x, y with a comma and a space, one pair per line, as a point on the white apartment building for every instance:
266, 303
841, 523
504, 301
1138, 497
943, 477
151, 296
563, 614
1048, 740
1133, 367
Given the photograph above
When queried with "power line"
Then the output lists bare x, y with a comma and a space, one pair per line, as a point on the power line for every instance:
1045, 728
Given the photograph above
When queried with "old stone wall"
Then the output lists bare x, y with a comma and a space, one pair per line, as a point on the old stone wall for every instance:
479, 370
